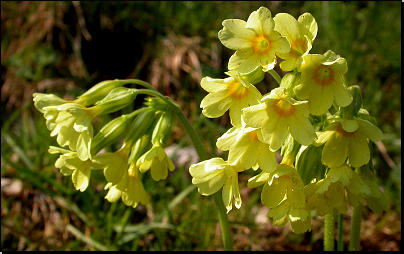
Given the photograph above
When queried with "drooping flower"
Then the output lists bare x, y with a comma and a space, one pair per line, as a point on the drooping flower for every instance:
247, 149
157, 161
322, 81
340, 186
232, 93
300, 34
284, 194
211, 175
255, 41
347, 138
69, 163
277, 115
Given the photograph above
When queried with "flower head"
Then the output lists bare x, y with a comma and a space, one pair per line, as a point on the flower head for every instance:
157, 160
278, 114
300, 34
213, 174
322, 81
255, 41
348, 138
69, 163
247, 149
232, 93
284, 195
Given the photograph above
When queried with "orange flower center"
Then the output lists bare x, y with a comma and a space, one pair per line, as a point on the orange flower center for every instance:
284, 108
237, 90
261, 45
252, 135
323, 75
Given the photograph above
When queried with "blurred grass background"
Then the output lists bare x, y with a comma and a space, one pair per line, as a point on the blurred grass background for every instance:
66, 47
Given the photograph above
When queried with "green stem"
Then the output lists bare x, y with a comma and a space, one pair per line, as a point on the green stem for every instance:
355, 228
340, 246
224, 223
329, 231
275, 75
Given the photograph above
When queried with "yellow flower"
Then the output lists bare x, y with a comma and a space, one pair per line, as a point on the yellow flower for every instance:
284, 195
157, 160
255, 41
246, 149
70, 164
300, 34
348, 138
277, 115
213, 174
341, 185
322, 81
232, 93
129, 187
114, 164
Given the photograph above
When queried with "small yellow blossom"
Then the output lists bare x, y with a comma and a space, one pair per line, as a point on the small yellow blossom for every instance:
69, 163
348, 138
255, 41
300, 34
277, 115
157, 160
322, 81
247, 149
232, 93
213, 174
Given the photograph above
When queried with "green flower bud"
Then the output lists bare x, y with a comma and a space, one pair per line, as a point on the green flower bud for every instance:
289, 150
289, 81
255, 76
110, 133
99, 91
141, 146
141, 126
308, 163
353, 109
116, 99
161, 105
162, 128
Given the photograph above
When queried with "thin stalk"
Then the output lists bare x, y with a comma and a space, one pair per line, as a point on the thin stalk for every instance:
355, 228
276, 76
224, 223
340, 246
329, 231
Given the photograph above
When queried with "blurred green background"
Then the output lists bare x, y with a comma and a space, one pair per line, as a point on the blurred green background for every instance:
66, 47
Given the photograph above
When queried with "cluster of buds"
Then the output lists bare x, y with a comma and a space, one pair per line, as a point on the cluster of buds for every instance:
144, 133
313, 118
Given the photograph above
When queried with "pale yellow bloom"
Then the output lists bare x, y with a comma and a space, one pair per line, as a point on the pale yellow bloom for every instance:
277, 115
232, 93
255, 41
211, 175
157, 160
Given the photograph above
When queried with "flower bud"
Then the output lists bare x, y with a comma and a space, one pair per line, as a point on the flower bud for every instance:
110, 133
353, 109
162, 128
141, 126
308, 163
99, 91
116, 99
254, 77
142, 145
289, 81
161, 105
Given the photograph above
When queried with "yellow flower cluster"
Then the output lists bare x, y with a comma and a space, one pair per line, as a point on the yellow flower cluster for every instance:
312, 118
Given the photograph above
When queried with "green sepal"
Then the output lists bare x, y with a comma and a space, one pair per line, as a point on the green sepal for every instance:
308, 163
117, 99
352, 109
289, 81
255, 76
162, 128
142, 145
141, 125
99, 91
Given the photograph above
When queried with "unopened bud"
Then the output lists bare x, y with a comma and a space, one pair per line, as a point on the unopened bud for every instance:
254, 77
162, 129
141, 126
115, 100
308, 163
99, 91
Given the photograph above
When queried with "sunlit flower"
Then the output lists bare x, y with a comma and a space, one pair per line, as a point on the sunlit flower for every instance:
129, 187
348, 138
255, 41
322, 81
70, 164
232, 93
211, 175
246, 149
157, 160
114, 164
300, 34
340, 186
277, 115
284, 195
